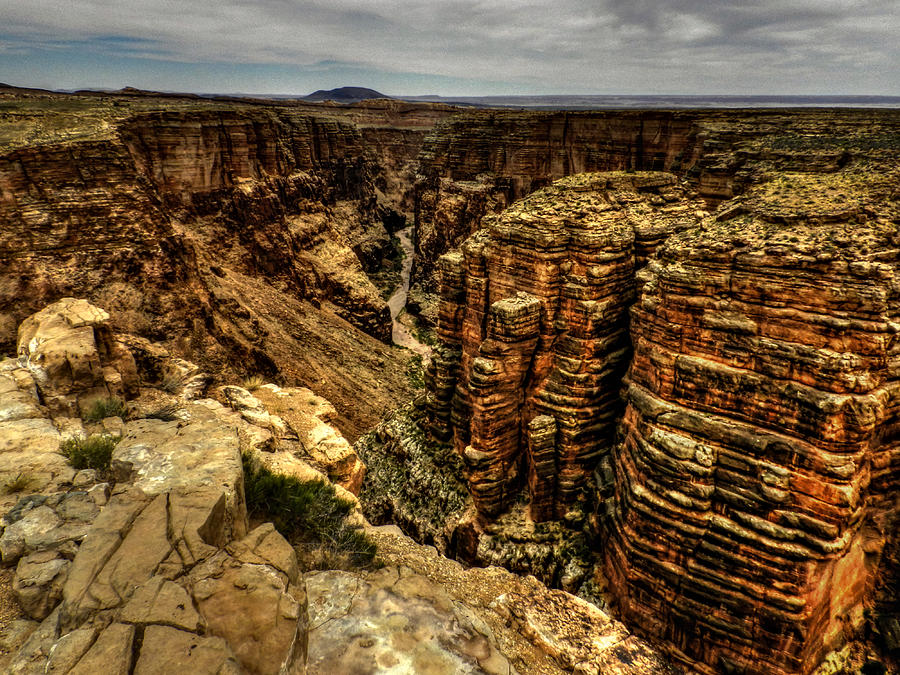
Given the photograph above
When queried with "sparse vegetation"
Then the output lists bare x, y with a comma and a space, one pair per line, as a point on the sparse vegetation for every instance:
22, 482
166, 413
425, 335
93, 452
415, 371
309, 514
171, 384
388, 277
106, 407
253, 382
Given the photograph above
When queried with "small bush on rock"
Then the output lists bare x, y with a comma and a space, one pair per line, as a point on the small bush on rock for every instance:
94, 452
166, 413
22, 482
106, 407
171, 384
253, 382
309, 514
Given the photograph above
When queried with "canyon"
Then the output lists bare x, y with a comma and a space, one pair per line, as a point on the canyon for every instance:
659, 373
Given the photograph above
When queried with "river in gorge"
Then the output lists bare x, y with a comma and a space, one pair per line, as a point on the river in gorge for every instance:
401, 334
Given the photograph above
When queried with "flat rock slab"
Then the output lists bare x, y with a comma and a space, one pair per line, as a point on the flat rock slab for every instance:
394, 621
195, 459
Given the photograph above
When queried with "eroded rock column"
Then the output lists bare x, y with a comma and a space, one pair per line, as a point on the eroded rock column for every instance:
533, 326
496, 391
749, 509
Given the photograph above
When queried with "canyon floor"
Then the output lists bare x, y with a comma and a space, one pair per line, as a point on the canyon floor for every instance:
608, 391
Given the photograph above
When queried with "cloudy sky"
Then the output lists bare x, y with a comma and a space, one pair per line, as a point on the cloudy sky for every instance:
456, 47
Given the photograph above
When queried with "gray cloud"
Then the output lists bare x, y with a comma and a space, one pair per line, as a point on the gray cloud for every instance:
611, 46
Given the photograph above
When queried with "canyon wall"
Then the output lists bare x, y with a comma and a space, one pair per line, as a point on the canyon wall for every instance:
747, 493
758, 474
534, 334
240, 236
480, 162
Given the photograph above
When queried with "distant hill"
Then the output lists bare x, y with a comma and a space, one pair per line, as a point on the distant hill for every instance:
344, 95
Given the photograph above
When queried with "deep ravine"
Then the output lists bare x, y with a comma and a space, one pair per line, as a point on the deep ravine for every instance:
401, 335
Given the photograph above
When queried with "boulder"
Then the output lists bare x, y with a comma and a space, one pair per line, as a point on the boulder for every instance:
74, 357
39, 582
394, 619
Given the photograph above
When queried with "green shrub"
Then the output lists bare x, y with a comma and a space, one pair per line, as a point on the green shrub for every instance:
171, 384
166, 413
415, 372
94, 452
105, 407
253, 382
309, 514
20, 483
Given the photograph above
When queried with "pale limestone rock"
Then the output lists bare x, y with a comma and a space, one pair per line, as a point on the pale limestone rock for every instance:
68, 650
265, 546
578, 635
110, 653
84, 478
21, 535
18, 395
39, 581
161, 602
194, 458
29, 447
252, 409
309, 419
168, 650
46, 522
394, 619
73, 356
135, 538
249, 595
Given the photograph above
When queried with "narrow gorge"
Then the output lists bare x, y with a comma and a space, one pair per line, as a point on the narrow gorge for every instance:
657, 420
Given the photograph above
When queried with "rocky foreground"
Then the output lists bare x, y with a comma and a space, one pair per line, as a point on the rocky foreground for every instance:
153, 565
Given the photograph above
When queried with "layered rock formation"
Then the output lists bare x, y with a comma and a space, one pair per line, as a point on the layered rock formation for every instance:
749, 500
481, 161
756, 481
240, 235
534, 334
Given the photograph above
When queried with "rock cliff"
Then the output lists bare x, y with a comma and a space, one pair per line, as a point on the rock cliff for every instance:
239, 234
533, 333
746, 482
756, 481
480, 162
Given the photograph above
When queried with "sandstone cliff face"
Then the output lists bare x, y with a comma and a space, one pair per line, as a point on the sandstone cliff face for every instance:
534, 334
749, 499
510, 154
722, 153
239, 235
756, 481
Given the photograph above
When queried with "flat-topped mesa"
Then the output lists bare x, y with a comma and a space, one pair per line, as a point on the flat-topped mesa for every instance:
756, 480
534, 334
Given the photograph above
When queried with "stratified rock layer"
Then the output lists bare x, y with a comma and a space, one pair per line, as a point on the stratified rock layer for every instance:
534, 334
757, 476
478, 162
241, 236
